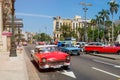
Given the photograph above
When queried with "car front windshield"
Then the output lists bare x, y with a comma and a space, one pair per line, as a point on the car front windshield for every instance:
49, 49
69, 45
74, 51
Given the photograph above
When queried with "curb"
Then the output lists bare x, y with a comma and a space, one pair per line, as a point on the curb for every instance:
26, 73
104, 56
32, 73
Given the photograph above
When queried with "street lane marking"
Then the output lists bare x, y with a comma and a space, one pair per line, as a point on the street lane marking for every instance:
68, 73
106, 72
116, 66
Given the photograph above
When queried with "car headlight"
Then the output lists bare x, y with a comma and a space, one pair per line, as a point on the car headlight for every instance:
44, 60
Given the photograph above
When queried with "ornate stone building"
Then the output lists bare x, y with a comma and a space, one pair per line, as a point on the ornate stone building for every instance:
77, 21
6, 23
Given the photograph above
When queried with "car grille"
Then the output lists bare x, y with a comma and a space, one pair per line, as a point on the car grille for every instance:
55, 63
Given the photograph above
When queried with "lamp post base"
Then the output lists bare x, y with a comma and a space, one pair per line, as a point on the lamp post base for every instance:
13, 53
13, 50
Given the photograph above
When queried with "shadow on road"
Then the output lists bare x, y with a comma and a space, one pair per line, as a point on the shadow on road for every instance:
48, 70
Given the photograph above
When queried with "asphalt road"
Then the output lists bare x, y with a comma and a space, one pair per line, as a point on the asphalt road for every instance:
83, 67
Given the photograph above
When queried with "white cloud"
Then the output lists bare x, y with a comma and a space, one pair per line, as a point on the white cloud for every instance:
34, 15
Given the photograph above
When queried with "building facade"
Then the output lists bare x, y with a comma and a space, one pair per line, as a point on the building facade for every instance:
74, 23
6, 24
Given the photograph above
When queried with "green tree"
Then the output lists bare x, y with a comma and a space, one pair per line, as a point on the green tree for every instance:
42, 37
117, 31
98, 22
113, 9
105, 16
108, 29
93, 24
66, 32
80, 32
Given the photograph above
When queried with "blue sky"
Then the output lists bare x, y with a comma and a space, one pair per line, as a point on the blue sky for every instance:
37, 14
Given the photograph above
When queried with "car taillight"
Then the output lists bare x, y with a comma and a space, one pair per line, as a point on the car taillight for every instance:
68, 58
44, 60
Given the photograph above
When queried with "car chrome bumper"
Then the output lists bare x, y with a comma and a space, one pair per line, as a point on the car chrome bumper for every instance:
46, 66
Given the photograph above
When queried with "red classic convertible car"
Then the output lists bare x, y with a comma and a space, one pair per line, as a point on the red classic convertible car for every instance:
48, 56
102, 49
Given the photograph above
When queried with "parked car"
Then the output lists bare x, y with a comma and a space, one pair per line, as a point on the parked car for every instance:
101, 48
95, 43
48, 56
80, 45
41, 43
70, 49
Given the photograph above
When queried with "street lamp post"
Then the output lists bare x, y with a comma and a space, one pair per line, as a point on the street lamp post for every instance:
19, 35
13, 45
85, 24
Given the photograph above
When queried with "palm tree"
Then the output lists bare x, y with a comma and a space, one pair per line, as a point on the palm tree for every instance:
108, 24
98, 21
64, 30
113, 9
105, 16
80, 32
93, 23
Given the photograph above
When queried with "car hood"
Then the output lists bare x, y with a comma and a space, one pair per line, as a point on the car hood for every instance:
54, 56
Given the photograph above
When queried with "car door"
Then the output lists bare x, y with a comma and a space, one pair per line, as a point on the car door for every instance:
109, 49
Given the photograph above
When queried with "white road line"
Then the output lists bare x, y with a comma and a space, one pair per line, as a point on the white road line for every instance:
106, 72
68, 73
116, 66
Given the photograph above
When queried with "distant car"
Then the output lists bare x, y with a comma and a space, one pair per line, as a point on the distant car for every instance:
101, 48
78, 44
41, 43
48, 56
95, 43
24, 43
70, 49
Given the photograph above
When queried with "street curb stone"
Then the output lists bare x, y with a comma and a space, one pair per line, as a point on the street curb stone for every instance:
32, 73
108, 57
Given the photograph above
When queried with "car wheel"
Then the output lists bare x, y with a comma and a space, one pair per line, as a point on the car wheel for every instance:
39, 68
32, 58
118, 52
66, 67
78, 53
95, 52
31, 55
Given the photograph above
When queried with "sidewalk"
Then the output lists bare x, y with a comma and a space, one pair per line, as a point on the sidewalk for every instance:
109, 56
13, 68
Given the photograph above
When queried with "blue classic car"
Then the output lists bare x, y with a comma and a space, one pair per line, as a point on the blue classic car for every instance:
70, 49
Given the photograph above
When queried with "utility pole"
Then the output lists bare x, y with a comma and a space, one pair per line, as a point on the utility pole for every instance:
85, 23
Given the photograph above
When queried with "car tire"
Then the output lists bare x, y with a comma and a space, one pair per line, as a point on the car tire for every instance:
95, 52
32, 59
40, 69
78, 53
39, 66
66, 67
86, 52
118, 52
